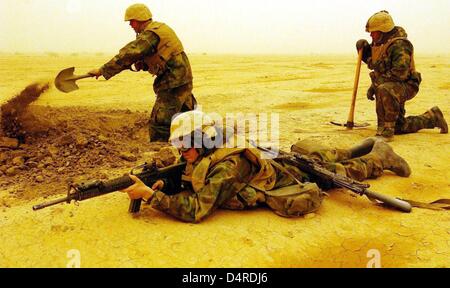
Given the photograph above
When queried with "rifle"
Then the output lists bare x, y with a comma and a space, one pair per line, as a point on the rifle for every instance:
327, 179
149, 174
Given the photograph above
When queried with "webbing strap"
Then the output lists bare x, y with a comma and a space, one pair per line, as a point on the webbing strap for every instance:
438, 205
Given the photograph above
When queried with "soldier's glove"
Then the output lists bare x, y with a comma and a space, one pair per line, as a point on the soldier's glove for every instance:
138, 66
371, 93
362, 44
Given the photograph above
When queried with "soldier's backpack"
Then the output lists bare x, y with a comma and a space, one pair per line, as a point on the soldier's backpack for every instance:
295, 200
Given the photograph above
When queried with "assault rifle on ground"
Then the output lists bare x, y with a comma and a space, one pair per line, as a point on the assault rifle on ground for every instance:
149, 174
327, 179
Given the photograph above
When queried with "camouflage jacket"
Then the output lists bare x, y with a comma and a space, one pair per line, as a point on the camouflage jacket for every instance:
396, 64
226, 187
178, 70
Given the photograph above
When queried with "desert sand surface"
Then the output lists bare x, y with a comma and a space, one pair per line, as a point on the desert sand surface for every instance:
107, 119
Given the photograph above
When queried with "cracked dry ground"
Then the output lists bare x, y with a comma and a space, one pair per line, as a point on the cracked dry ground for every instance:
107, 141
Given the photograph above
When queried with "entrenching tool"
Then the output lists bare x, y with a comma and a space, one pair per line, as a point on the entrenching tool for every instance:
66, 80
351, 116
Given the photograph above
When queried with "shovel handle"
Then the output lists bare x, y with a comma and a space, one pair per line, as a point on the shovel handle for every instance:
351, 115
81, 77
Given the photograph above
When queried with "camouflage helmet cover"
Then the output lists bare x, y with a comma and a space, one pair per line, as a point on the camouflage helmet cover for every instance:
139, 12
380, 21
193, 123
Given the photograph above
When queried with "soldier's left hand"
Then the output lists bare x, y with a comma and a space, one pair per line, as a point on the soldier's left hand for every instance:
371, 93
138, 66
138, 190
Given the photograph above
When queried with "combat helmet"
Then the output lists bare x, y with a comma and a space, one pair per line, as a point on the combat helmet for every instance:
139, 12
193, 129
380, 21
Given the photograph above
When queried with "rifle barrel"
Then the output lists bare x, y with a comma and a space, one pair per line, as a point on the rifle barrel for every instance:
51, 203
390, 201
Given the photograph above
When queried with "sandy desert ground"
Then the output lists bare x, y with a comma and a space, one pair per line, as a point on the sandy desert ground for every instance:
306, 91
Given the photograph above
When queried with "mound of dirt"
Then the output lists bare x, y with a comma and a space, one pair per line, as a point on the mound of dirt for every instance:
63, 145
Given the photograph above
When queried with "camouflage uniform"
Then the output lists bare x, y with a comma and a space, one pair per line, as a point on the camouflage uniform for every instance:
338, 161
228, 185
395, 81
173, 84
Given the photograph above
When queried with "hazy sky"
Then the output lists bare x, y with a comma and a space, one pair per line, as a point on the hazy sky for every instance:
225, 26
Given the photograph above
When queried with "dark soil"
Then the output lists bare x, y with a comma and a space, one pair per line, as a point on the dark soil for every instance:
64, 145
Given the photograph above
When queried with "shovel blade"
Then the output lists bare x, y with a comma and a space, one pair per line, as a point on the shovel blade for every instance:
65, 82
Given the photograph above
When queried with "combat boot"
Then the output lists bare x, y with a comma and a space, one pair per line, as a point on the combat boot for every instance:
380, 127
439, 120
388, 132
363, 148
390, 160
379, 130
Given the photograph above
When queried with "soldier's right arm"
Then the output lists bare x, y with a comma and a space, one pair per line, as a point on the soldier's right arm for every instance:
222, 183
145, 44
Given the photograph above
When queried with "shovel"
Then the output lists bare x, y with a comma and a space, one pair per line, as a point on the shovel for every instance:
66, 80
351, 116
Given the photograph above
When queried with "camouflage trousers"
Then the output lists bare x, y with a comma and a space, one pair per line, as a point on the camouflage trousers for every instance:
168, 103
390, 107
338, 161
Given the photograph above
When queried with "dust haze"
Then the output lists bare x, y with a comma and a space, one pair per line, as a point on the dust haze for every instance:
232, 26
100, 132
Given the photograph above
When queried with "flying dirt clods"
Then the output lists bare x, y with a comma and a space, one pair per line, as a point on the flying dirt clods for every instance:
12, 111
